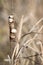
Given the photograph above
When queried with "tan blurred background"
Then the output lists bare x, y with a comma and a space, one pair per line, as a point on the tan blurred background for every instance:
29, 8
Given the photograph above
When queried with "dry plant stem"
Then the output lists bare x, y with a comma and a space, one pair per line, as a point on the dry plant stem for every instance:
33, 40
35, 34
20, 28
33, 28
29, 41
16, 49
36, 24
41, 51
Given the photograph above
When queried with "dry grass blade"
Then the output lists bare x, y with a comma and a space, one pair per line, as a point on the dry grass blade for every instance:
36, 24
20, 28
34, 36
19, 36
15, 51
33, 40
29, 41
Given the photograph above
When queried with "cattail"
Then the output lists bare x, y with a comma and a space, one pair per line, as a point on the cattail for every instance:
12, 27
